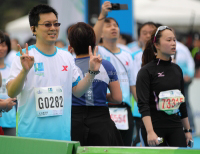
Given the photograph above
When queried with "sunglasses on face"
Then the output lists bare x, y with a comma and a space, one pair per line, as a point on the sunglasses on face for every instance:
161, 28
50, 24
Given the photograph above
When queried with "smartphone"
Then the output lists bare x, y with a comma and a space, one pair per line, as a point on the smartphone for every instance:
191, 143
117, 6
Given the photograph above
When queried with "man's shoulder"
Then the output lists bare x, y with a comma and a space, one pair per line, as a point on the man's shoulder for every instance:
63, 51
31, 48
126, 53
101, 49
124, 47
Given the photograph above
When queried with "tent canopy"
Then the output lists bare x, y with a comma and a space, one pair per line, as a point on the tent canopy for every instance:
19, 29
168, 12
19, 24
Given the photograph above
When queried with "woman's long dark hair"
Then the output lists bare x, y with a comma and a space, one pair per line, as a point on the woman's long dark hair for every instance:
150, 50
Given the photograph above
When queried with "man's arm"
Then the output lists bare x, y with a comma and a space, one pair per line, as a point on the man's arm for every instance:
14, 86
99, 24
132, 74
84, 84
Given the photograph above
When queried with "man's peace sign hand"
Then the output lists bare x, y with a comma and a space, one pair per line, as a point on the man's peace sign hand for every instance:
26, 60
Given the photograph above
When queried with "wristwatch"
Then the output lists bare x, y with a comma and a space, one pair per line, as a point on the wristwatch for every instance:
94, 72
187, 130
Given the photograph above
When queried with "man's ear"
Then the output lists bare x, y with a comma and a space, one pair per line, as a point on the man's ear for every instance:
70, 49
33, 30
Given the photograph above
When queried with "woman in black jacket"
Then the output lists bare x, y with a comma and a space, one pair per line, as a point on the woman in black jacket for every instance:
160, 93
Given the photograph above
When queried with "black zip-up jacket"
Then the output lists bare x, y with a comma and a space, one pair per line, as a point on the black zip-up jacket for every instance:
153, 78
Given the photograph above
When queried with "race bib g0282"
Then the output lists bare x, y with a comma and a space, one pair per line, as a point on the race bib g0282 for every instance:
170, 101
49, 101
120, 117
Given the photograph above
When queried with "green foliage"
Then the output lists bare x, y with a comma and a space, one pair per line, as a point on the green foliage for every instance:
13, 9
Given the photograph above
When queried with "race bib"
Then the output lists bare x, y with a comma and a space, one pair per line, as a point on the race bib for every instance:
120, 117
170, 101
49, 101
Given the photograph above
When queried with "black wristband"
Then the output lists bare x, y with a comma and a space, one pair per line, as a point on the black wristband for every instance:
187, 130
94, 72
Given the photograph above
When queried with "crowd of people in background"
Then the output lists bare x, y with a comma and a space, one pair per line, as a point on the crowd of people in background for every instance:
94, 77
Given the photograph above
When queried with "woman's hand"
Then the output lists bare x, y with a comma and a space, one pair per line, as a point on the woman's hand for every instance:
188, 137
152, 139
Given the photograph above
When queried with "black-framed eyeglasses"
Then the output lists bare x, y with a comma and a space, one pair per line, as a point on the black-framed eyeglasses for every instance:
50, 24
160, 29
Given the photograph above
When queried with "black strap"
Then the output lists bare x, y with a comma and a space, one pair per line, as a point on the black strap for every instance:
118, 59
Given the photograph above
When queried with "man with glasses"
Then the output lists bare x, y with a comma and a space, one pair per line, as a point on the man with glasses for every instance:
43, 78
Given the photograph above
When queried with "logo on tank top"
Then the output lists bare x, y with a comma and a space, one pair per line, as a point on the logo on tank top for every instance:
161, 74
39, 69
127, 63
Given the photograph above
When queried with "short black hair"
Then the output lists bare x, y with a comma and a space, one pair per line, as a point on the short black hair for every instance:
144, 24
107, 20
37, 10
81, 36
